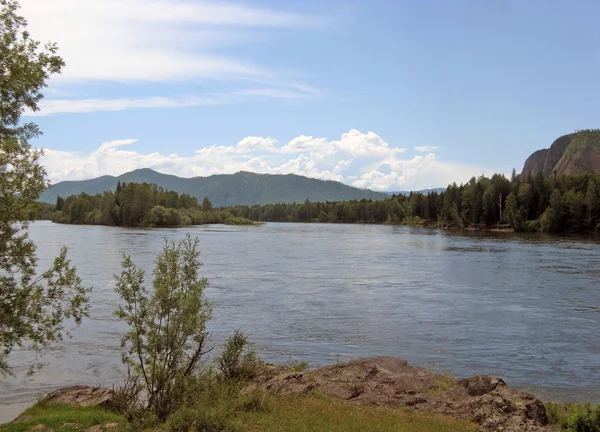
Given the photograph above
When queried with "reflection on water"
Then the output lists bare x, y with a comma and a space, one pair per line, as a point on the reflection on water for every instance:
522, 307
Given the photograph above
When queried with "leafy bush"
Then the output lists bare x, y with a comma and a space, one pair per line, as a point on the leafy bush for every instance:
167, 335
202, 420
234, 220
574, 417
238, 362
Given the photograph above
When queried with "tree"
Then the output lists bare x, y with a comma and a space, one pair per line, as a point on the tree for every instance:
592, 201
33, 309
167, 334
60, 202
490, 205
512, 213
206, 204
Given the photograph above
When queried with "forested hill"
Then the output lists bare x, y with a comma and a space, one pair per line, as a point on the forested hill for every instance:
242, 188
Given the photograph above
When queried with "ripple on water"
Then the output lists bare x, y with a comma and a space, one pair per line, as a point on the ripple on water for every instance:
522, 307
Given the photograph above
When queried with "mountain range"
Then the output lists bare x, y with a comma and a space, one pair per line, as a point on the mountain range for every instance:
570, 154
242, 188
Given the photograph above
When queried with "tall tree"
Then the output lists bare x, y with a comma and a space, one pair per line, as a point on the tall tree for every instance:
33, 308
206, 204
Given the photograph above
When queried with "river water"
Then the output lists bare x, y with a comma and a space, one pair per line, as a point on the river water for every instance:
526, 308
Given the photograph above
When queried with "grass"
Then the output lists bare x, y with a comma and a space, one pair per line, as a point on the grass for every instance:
310, 412
64, 418
253, 413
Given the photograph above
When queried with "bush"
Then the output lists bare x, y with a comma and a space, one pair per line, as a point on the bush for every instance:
202, 420
574, 417
236, 220
238, 362
167, 335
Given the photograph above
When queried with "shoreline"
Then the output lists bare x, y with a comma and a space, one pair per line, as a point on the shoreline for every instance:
383, 382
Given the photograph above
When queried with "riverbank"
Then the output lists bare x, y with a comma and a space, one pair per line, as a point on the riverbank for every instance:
379, 393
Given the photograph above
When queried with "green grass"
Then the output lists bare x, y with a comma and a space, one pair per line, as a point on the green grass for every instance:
308, 413
255, 412
64, 418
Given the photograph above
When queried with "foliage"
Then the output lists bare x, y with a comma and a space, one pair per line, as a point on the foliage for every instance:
166, 341
238, 361
574, 417
135, 204
236, 220
206, 204
556, 204
33, 309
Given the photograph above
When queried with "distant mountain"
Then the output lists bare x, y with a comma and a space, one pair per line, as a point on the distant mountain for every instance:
242, 188
423, 191
575, 153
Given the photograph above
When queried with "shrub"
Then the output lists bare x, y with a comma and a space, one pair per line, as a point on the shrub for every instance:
574, 417
238, 361
167, 337
235, 220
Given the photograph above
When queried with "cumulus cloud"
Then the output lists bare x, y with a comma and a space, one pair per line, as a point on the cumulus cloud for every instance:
426, 149
160, 41
363, 160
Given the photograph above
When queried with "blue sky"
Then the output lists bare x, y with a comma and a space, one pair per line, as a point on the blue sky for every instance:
388, 95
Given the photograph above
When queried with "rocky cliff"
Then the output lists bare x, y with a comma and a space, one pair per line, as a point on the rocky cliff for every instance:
570, 154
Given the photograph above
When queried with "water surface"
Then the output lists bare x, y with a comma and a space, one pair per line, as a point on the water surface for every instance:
524, 308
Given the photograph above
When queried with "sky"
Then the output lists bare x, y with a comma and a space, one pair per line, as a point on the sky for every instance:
387, 95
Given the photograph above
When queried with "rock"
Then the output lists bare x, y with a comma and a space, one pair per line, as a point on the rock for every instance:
83, 396
40, 428
569, 154
480, 384
392, 382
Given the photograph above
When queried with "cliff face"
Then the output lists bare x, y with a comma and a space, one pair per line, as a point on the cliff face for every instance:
570, 154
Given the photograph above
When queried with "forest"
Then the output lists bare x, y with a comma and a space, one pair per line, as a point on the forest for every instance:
535, 203
136, 204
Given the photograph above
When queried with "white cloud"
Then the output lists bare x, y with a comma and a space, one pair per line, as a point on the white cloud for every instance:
361, 159
116, 143
426, 149
159, 41
66, 106
253, 143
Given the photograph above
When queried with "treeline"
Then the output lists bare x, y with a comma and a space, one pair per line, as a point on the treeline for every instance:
535, 203
556, 204
136, 204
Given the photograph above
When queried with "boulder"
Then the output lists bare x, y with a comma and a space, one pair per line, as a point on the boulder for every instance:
83, 396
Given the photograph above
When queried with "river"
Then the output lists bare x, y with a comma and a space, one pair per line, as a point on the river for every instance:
526, 308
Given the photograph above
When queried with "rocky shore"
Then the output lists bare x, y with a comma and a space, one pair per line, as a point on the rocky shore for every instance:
386, 382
